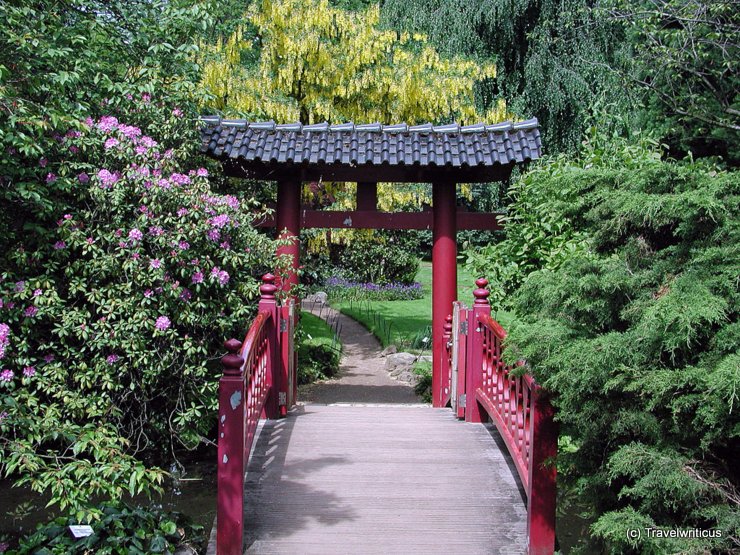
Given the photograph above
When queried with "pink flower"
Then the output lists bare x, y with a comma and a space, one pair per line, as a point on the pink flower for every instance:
219, 221
148, 293
110, 143
141, 150
130, 131
198, 277
184, 245
155, 231
225, 245
112, 359
49, 358
90, 240
147, 142
214, 234
162, 323
107, 178
30, 312
202, 172
155, 263
73, 149
164, 184
59, 245
182, 212
180, 179
50, 177
20, 286
29, 371
135, 235
43, 162
177, 113
221, 275
107, 124
37, 292
83, 177
186, 295
67, 216
6, 375
146, 98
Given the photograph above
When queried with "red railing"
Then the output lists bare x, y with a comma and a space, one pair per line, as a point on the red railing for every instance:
254, 385
518, 407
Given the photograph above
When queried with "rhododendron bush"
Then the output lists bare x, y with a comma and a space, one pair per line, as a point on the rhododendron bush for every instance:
109, 333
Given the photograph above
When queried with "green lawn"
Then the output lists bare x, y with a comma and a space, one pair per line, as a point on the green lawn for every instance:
407, 323
316, 330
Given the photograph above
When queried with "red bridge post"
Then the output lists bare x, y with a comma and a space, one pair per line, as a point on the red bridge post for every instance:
275, 380
444, 278
542, 476
231, 456
475, 359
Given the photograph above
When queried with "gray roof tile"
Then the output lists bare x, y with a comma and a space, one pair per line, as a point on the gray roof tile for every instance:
350, 145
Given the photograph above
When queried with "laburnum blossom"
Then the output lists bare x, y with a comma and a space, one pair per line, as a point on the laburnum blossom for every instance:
162, 323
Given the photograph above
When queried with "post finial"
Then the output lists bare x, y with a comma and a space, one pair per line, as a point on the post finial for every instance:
267, 289
448, 325
232, 361
481, 293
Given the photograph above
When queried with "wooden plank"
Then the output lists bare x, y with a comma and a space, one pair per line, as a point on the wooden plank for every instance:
391, 479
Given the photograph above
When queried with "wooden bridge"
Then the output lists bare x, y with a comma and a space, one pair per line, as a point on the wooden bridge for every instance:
371, 478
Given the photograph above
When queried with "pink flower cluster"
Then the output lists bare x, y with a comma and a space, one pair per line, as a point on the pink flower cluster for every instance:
135, 235
6, 376
108, 179
4, 333
221, 275
162, 323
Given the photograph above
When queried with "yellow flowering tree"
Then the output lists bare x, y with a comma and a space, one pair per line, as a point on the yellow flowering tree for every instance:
320, 63
304, 60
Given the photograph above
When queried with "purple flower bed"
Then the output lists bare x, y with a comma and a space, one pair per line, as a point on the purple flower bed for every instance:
339, 288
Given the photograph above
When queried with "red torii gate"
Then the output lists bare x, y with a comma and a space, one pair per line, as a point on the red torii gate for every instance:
367, 154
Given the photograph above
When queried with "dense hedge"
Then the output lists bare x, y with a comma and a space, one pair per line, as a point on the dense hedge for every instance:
636, 333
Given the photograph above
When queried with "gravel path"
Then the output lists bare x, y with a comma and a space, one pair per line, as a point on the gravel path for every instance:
362, 376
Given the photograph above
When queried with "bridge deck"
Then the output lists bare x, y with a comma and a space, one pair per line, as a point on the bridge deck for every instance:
385, 479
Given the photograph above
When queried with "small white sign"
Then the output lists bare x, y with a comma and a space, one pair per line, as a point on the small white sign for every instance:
80, 530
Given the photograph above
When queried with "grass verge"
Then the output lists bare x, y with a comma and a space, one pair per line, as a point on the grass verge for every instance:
407, 324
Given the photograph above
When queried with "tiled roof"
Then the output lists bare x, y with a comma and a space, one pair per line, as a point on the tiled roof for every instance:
463, 151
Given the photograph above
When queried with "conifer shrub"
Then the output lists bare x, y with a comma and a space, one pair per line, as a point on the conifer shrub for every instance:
636, 334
